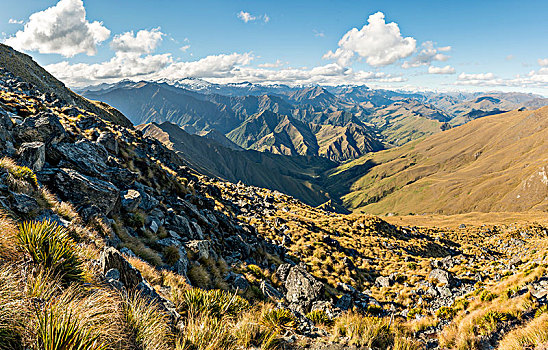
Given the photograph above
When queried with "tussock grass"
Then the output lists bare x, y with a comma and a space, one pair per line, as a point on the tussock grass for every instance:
147, 325
50, 246
531, 335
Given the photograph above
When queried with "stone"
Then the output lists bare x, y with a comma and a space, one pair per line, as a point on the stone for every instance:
24, 204
83, 190
302, 289
109, 142
383, 281
344, 302
283, 271
113, 259
44, 127
32, 155
442, 276
269, 291
200, 248
84, 155
130, 200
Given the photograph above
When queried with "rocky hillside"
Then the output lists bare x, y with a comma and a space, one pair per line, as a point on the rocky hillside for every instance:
110, 240
496, 163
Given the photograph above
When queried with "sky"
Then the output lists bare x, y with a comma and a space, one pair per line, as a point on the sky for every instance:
414, 45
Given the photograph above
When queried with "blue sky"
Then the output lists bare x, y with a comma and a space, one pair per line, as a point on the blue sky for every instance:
445, 45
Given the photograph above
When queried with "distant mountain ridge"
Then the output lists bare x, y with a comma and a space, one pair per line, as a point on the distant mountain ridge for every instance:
338, 122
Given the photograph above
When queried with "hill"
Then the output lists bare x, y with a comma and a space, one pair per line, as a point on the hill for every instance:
296, 176
496, 163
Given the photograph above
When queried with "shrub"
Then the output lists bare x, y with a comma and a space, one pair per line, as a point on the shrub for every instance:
50, 246
487, 296
491, 321
77, 320
446, 313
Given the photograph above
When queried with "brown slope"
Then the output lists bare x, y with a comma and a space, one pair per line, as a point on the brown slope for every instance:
24, 67
497, 163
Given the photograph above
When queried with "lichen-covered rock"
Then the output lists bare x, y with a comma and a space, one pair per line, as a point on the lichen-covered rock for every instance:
83, 190
302, 289
85, 156
442, 277
44, 127
32, 155
130, 200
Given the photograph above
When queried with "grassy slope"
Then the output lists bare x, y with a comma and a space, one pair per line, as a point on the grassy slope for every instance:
496, 163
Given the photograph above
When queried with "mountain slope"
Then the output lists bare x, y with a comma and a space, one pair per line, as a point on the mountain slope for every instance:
292, 175
35, 77
496, 163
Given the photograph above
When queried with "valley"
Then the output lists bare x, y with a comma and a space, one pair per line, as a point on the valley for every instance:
190, 215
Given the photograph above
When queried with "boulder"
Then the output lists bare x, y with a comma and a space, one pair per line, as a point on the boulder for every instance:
200, 248
130, 200
113, 259
269, 291
24, 204
302, 289
83, 190
44, 127
86, 156
32, 155
383, 281
442, 276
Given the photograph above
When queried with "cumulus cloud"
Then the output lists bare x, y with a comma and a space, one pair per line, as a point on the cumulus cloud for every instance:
441, 70
427, 55
144, 42
185, 48
543, 62
276, 64
378, 42
117, 68
61, 29
14, 21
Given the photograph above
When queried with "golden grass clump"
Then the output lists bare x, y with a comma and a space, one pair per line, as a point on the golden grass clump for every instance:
50, 246
147, 325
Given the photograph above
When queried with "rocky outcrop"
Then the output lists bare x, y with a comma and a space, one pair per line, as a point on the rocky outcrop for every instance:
32, 155
85, 190
44, 127
302, 289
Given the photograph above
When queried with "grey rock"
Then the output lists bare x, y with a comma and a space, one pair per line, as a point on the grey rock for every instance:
24, 204
269, 291
344, 302
44, 127
442, 276
84, 190
130, 200
109, 142
302, 289
200, 248
283, 271
86, 156
32, 155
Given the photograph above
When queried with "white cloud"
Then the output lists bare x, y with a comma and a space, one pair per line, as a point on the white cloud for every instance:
61, 29
427, 55
14, 21
246, 16
319, 34
444, 48
543, 62
117, 68
441, 70
185, 48
144, 42
378, 42
535, 78
276, 64
479, 76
